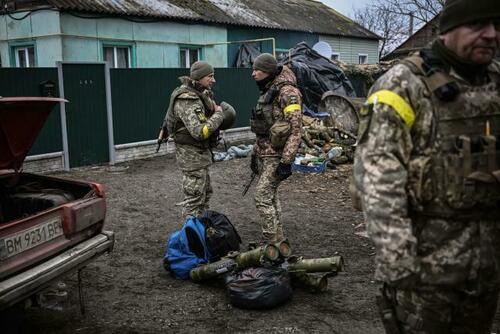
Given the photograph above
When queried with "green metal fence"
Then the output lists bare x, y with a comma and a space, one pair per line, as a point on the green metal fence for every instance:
140, 98
86, 113
139, 101
237, 87
26, 82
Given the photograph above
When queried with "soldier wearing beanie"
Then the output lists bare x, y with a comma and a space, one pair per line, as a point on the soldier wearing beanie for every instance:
427, 176
193, 120
277, 123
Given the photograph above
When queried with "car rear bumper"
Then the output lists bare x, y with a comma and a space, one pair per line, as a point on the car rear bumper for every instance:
33, 280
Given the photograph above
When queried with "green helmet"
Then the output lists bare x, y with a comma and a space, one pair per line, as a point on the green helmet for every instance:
229, 115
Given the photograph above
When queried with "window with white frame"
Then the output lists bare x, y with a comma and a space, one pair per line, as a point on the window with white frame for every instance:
362, 58
25, 56
335, 56
189, 55
117, 56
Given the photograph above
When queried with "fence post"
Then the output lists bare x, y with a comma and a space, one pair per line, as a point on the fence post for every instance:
109, 107
64, 129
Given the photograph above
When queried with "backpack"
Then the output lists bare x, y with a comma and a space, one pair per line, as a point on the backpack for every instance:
186, 249
220, 235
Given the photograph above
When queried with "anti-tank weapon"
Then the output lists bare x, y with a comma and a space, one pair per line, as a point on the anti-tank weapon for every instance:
235, 261
302, 271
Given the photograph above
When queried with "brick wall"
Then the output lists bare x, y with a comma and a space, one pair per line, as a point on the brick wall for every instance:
52, 162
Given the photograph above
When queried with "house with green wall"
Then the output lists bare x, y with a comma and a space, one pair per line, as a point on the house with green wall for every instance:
171, 33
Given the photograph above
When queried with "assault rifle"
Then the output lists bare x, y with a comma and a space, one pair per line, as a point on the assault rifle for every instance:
247, 186
162, 136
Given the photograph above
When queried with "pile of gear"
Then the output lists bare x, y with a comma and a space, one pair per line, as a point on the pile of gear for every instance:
330, 138
263, 277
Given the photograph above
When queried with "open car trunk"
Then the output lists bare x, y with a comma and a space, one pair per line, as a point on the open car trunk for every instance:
23, 195
48, 225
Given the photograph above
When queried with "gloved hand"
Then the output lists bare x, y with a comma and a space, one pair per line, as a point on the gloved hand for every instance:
283, 171
254, 166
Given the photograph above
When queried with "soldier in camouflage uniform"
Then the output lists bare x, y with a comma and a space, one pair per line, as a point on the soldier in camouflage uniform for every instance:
192, 120
427, 176
277, 122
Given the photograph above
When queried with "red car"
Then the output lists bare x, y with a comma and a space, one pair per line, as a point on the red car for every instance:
48, 226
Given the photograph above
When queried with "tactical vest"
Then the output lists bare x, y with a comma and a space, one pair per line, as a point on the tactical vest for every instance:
263, 117
460, 178
176, 128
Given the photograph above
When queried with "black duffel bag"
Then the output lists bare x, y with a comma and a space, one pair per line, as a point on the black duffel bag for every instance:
220, 234
259, 288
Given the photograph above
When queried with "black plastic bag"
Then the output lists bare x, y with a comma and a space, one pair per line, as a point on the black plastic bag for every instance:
259, 288
246, 55
316, 75
221, 236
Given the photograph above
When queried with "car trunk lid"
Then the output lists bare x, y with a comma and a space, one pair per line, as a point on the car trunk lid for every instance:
21, 120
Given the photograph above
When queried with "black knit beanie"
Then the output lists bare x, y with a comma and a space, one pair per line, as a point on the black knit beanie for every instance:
200, 69
458, 12
266, 63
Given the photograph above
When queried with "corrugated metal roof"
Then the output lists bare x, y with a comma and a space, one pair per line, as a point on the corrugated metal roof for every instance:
298, 15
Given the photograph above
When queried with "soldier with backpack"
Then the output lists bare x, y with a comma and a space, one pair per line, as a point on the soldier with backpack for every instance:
276, 122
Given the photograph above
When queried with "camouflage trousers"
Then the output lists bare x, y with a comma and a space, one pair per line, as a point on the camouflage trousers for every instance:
439, 310
267, 201
197, 192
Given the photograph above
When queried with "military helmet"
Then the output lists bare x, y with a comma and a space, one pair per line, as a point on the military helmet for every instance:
229, 115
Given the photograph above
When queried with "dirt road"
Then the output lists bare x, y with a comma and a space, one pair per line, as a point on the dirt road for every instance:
128, 291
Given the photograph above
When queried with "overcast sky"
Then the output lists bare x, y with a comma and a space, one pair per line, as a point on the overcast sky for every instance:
345, 6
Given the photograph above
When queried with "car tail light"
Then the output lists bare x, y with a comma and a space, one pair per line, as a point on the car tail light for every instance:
85, 214
99, 189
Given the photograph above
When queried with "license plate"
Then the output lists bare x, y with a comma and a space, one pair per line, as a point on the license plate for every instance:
27, 239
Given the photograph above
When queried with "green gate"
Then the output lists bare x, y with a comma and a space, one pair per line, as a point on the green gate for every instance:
86, 113
26, 82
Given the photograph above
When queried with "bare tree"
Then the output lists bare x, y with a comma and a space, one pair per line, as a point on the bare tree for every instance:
396, 20
384, 22
421, 10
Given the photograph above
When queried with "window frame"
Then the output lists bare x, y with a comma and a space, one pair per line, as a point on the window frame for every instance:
14, 55
337, 56
362, 55
189, 48
122, 45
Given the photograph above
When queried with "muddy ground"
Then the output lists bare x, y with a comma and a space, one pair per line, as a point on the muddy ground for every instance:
128, 291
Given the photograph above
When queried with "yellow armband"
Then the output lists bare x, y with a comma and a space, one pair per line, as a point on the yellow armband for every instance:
396, 102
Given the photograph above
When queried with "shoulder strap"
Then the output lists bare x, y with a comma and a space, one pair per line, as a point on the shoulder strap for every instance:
438, 82
285, 83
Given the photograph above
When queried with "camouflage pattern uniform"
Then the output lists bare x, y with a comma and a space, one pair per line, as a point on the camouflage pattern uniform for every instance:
193, 126
431, 203
282, 102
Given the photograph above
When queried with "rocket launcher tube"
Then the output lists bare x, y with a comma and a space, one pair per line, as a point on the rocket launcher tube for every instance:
233, 261
326, 264
212, 270
307, 280
284, 248
256, 256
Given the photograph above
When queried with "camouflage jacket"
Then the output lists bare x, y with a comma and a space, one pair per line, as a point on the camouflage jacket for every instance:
189, 110
412, 248
288, 94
